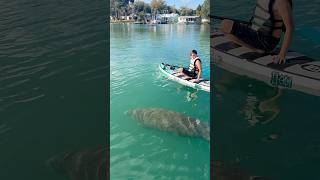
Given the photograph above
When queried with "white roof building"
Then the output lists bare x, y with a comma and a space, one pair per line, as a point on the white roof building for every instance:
168, 17
188, 19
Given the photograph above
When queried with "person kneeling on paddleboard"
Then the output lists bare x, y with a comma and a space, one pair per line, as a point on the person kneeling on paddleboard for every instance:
195, 69
264, 30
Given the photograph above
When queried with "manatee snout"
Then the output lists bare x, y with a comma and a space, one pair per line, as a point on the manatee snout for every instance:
129, 112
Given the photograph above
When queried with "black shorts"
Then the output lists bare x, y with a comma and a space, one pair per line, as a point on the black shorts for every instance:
254, 38
189, 73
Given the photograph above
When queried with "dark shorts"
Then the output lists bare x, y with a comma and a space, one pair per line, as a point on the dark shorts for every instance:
254, 38
189, 73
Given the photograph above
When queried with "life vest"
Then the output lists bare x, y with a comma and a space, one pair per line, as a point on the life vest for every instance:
263, 20
192, 65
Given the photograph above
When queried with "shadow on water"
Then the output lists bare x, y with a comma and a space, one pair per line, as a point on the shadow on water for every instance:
92, 164
224, 171
88, 164
261, 101
191, 94
267, 128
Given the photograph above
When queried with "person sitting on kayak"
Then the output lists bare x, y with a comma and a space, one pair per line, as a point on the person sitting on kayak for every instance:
195, 69
264, 30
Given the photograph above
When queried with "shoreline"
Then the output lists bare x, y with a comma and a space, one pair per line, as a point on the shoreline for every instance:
136, 22
121, 21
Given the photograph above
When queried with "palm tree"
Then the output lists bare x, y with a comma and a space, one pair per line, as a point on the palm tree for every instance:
121, 6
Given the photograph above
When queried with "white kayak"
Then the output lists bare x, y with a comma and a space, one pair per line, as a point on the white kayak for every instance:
171, 72
299, 72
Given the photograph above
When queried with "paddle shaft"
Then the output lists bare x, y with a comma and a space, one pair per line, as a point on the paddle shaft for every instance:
170, 65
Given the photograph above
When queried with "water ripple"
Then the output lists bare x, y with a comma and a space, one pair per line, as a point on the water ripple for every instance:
4, 129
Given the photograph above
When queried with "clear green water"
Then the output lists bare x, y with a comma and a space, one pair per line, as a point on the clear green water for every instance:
240, 130
53, 69
135, 53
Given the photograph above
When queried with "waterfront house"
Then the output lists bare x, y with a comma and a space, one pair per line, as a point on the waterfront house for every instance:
205, 20
168, 18
126, 17
189, 19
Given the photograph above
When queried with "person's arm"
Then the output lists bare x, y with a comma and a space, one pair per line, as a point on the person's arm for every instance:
198, 64
285, 11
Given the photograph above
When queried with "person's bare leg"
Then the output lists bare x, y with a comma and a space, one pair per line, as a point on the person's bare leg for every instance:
226, 27
239, 41
180, 72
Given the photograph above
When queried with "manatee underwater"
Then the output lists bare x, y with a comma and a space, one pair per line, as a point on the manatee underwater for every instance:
82, 165
169, 121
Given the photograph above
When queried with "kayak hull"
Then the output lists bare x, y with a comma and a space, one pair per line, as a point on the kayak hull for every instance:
170, 72
300, 73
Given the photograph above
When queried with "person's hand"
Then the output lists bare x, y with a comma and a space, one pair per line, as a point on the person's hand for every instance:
280, 58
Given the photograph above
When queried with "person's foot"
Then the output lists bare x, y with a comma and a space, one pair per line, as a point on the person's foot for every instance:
194, 80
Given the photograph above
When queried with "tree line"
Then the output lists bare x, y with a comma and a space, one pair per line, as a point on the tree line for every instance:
126, 7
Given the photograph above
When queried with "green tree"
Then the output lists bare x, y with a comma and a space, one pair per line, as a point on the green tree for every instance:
139, 6
172, 9
112, 8
157, 5
147, 8
120, 7
198, 10
205, 9
191, 12
183, 11
141, 9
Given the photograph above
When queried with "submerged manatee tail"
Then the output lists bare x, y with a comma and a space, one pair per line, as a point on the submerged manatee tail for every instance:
205, 130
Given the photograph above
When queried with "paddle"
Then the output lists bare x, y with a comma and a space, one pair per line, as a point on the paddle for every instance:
222, 18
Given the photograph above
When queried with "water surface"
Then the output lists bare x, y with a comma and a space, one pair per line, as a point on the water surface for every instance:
288, 146
53, 69
136, 52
